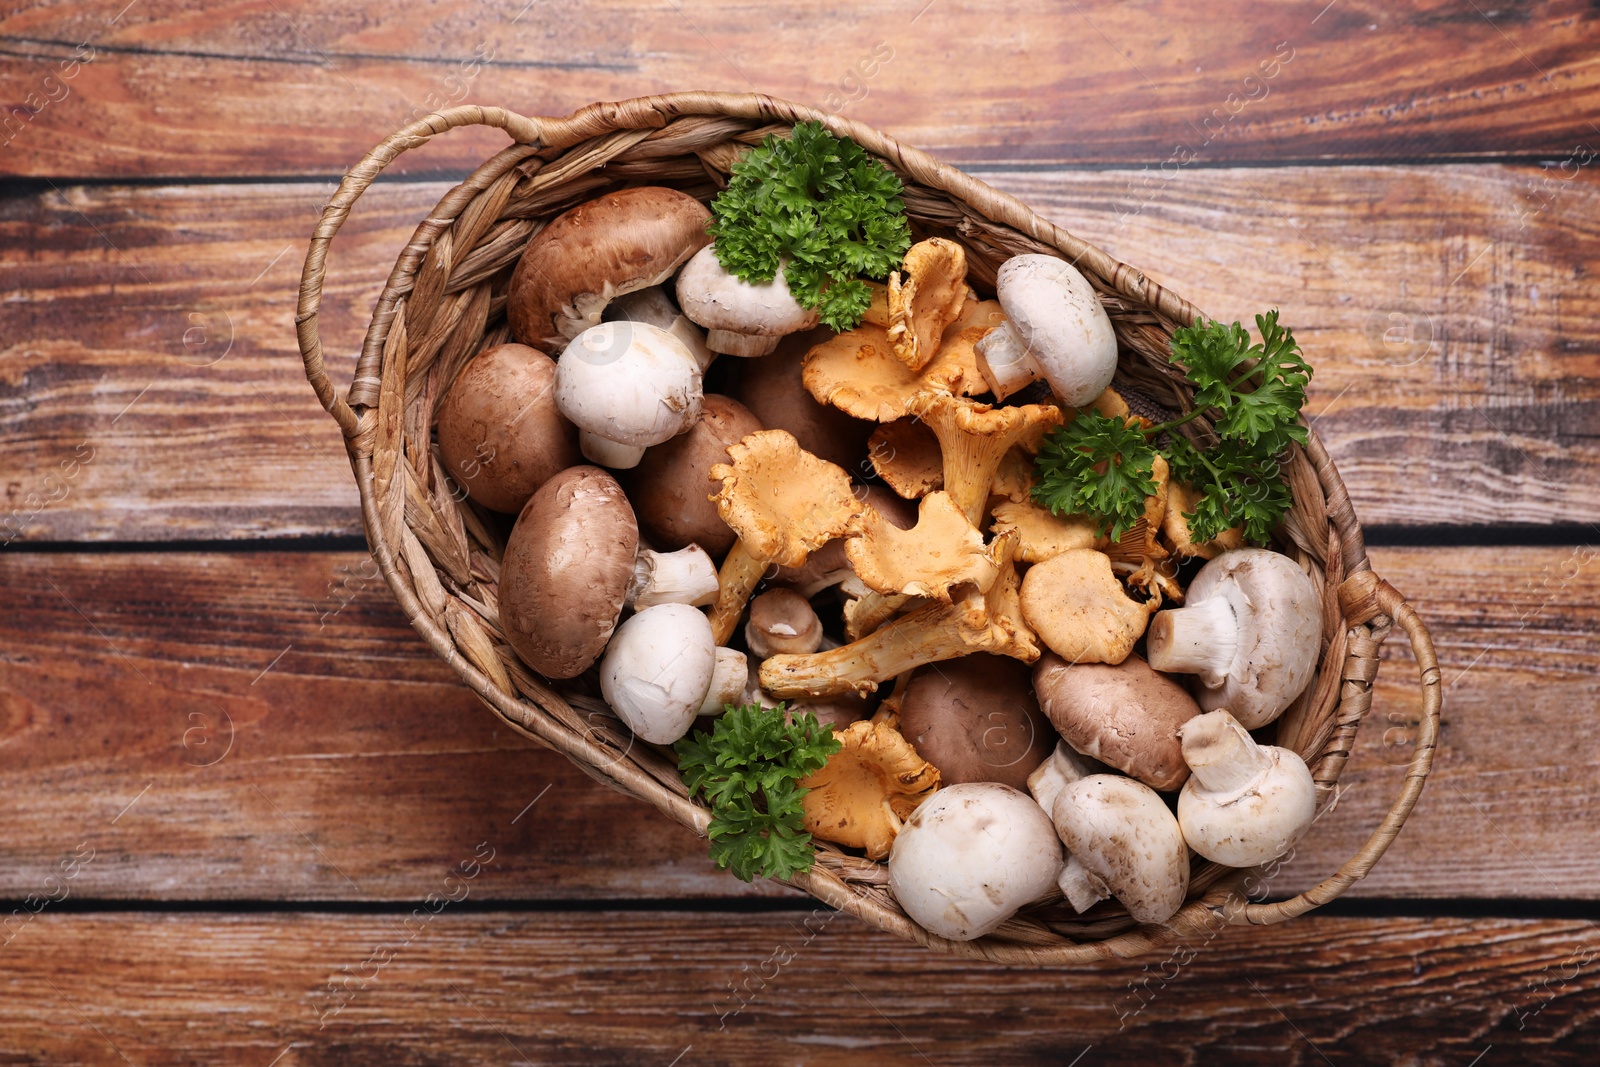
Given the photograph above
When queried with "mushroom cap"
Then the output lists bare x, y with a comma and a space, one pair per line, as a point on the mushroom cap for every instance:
858, 373
657, 669
1124, 834
864, 791
1061, 768
1278, 613
782, 620
1079, 609
500, 435
1126, 715
715, 299
566, 570
1258, 820
942, 550
782, 501
614, 244
970, 856
770, 386
671, 487
1057, 316
925, 296
1041, 533
905, 454
629, 382
976, 719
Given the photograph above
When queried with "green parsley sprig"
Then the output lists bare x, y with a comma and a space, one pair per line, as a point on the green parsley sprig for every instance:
819, 200
746, 769
1103, 466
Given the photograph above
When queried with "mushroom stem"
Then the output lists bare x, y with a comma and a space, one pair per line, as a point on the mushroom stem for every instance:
1005, 362
686, 576
736, 581
1083, 888
1199, 639
611, 454
865, 613
1223, 756
927, 635
740, 344
728, 677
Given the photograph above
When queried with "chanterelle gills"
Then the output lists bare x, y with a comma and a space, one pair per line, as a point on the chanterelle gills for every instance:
925, 296
867, 788
784, 503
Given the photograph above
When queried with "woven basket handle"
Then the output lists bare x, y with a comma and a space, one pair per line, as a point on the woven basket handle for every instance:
520, 127
1365, 597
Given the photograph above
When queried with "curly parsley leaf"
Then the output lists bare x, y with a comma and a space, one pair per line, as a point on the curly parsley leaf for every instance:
1097, 465
822, 203
1254, 393
746, 770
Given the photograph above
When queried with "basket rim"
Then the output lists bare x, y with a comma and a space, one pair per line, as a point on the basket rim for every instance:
1369, 607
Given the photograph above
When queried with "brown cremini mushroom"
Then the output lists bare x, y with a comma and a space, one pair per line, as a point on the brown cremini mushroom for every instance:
925, 296
973, 622
771, 388
566, 570
942, 550
784, 503
500, 435
1080, 610
1126, 715
782, 620
976, 719
671, 487
866, 790
589, 255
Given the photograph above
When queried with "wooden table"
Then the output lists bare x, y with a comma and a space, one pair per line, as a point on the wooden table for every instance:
235, 781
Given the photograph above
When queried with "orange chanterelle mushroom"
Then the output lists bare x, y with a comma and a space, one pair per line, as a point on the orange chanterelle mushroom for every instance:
925, 296
867, 789
784, 503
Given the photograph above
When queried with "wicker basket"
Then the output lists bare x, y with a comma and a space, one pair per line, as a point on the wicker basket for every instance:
444, 303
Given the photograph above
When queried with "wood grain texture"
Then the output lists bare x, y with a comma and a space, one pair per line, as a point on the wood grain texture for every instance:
306, 87
266, 726
630, 989
1446, 309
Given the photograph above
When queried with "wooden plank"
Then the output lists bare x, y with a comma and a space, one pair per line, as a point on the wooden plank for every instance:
359, 769
1096, 82
715, 988
150, 327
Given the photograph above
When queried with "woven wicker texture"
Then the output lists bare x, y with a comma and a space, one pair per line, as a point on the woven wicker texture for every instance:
444, 302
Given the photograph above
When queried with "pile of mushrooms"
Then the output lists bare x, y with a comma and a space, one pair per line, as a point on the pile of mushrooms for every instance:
843, 524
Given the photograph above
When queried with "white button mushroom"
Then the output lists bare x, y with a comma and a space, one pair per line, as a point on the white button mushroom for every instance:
655, 307
627, 385
1123, 842
662, 670
741, 319
1251, 629
1245, 803
1055, 329
970, 856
